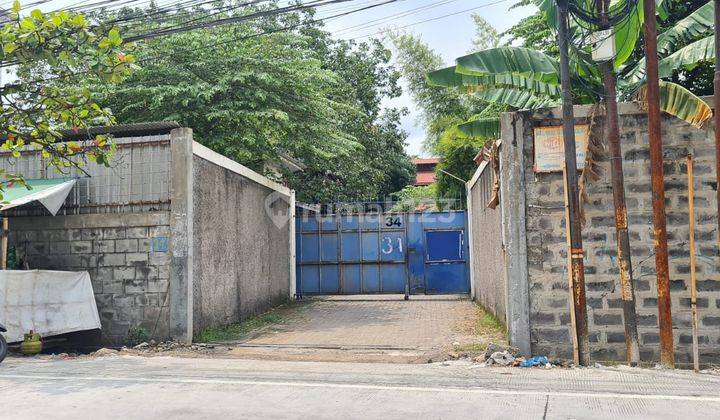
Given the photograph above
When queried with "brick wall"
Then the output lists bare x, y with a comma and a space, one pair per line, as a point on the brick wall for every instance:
125, 255
546, 243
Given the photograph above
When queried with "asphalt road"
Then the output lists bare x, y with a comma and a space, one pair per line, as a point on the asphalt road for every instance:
177, 388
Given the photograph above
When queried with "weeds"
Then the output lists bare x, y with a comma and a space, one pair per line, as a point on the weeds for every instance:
487, 323
136, 335
487, 329
237, 331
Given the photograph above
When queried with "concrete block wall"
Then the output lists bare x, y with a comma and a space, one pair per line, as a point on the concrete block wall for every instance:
241, 231
137, 242
125, 254
547, 275
487, 250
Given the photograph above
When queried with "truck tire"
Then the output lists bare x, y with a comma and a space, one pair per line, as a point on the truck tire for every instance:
3, 348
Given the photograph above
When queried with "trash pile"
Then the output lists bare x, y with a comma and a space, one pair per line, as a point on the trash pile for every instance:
152, 347
168, 346
501, 355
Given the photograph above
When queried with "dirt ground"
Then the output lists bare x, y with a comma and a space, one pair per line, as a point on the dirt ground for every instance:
384, 329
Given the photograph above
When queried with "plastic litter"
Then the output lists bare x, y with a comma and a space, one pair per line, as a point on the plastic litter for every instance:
502, 358
535, 361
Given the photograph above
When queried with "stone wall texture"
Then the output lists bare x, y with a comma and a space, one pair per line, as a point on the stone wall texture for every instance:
241, 260
488, 260
547, 253
125, 255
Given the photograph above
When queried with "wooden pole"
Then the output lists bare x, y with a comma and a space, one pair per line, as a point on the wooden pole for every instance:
693, 277
716, 102
577, 269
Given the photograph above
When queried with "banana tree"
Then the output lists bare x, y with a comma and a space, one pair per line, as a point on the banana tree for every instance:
522, 78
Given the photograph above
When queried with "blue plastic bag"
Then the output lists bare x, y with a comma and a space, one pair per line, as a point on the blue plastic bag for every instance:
535, 361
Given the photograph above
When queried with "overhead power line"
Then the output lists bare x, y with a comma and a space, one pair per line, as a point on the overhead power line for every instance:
235, 39
429, 20
379, 21
236, 19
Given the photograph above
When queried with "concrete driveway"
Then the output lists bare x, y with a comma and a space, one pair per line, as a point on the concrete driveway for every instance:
131, 387
371, 329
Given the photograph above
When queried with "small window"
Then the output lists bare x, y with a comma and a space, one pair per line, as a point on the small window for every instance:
444, 245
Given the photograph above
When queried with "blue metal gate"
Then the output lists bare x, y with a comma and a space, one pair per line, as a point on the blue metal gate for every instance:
382, 253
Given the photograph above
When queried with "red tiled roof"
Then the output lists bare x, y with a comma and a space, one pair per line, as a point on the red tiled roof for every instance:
424, 178
426, 161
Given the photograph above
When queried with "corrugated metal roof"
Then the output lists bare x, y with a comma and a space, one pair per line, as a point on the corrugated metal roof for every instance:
123, 130
424, 178
425, 161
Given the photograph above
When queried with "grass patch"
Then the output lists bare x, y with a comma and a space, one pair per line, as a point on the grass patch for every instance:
471, 347
487, 323
238, 331
486, 329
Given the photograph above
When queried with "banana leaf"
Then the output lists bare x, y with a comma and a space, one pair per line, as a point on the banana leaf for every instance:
627, 33
516, 98
447, 77
688, 57
681, 103
486, 128
698, 23
517, 61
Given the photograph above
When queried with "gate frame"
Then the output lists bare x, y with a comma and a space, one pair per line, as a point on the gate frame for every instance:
408, 216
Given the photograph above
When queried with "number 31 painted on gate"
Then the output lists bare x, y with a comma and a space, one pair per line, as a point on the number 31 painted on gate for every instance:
388, 245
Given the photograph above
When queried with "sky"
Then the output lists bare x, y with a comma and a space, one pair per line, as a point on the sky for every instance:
446, 25
450, 36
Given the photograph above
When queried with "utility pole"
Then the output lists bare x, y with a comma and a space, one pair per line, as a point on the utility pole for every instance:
577, 266
667, 357
627, 291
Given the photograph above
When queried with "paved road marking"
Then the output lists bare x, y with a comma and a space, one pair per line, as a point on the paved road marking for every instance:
481, 391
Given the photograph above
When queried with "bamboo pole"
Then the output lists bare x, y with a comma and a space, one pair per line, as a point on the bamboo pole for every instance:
573, 333
693, 277
4, 246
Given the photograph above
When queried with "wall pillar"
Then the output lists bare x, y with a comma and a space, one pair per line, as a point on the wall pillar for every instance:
181, 231
293, 257
512, 198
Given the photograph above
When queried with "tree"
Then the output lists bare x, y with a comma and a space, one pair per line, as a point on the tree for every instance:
415, 59
416, 198
533, 32
457, 151
525, 78
369, 78
255, 91
486, 36
56, 56
683, 20
444, 109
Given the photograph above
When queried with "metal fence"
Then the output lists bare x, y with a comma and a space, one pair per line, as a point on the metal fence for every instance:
138, 178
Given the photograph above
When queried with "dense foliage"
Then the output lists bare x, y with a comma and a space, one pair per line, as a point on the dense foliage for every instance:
55, 57
535, 32
257, 91
443, 109
528, 78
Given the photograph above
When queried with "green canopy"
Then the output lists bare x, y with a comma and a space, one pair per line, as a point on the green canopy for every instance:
51, 193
